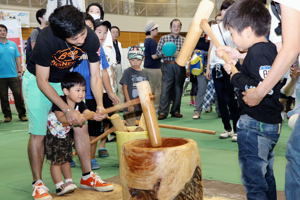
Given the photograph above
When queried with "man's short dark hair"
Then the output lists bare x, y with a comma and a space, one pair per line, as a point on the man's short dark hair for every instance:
226, 4
116, 28
40, 13
100, 8
67, 21
3, 26
175, 20
148, 33
71, 79
248, 13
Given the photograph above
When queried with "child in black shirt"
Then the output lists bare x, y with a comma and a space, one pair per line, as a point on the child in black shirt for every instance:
259, 127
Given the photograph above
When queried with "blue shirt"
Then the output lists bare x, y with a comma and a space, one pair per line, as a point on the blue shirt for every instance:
8, 54
150, 49
84, 69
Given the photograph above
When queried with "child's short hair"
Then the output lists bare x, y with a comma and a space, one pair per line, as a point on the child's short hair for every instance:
71, 79
135, 52
248, 13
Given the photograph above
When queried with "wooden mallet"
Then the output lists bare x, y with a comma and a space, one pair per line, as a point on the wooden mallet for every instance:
144, 91
204, 10
206, 28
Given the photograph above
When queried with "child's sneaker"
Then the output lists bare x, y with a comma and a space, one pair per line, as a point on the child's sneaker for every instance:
40, 191
226, 134
96, 183
65, 189
94, 164
234, 137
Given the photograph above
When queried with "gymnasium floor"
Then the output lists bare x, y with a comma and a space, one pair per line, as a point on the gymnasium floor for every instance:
218, 157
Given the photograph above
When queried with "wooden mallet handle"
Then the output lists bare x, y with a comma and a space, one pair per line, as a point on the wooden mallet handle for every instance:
204, 10
149, 113
103, 135
196, 130
206, 28
115, 108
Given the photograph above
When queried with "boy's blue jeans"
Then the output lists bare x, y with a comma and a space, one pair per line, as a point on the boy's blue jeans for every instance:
256, 141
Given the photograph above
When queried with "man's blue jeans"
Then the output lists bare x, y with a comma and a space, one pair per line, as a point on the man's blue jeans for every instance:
256, 141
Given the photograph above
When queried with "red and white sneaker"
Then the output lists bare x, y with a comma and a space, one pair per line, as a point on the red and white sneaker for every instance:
96, 183
40, 191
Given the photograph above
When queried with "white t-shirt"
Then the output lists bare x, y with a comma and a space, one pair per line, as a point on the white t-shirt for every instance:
214, 59
274, 23
295, 4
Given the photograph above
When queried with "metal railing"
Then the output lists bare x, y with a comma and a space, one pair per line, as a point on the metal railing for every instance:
126, 7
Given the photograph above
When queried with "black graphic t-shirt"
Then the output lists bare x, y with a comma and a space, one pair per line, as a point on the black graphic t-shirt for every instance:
257, 63
51, 51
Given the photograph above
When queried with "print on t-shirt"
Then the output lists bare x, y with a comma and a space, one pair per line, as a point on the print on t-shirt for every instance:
135, 78
66, 58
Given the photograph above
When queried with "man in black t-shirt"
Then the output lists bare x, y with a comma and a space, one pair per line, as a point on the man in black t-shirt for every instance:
60, 48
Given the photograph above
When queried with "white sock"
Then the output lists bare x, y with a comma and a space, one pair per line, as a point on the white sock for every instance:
86, 176
59, 184
68, 180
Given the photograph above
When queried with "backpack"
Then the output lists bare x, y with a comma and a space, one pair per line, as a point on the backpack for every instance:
28, 48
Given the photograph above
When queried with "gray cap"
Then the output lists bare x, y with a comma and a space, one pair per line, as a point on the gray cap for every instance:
151, 25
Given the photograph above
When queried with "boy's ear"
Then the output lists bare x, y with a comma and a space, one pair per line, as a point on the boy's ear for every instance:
66, 91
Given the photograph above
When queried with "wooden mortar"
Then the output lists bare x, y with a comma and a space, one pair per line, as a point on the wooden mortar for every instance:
171, 171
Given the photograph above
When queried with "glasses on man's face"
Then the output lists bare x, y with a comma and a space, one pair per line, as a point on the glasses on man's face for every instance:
154, 29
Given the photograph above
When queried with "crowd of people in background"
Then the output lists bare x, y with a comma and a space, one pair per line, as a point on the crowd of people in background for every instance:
95, 61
